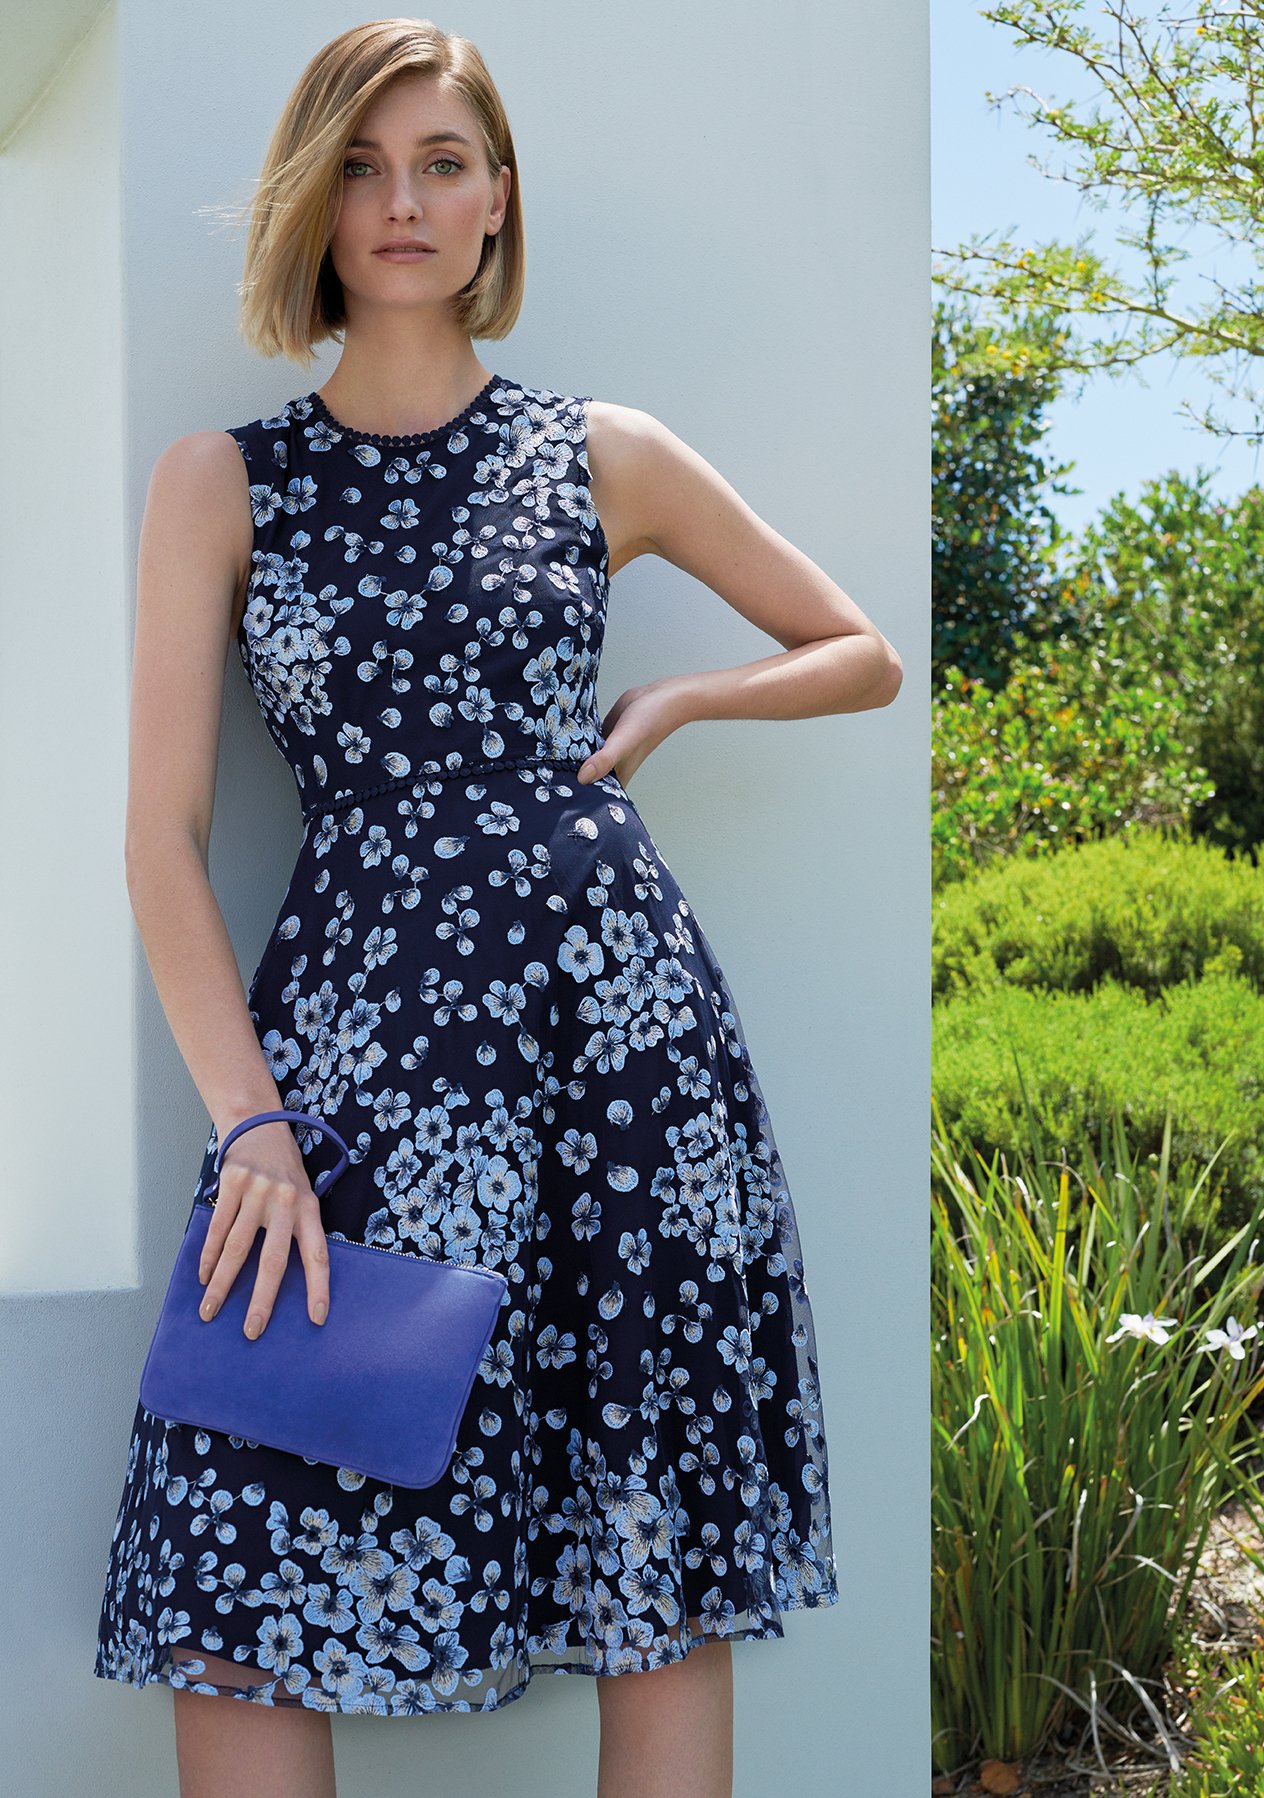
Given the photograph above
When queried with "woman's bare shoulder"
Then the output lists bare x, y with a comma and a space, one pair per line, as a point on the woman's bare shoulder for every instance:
203, 477
622, 443
199, 496
217, 454
632, 456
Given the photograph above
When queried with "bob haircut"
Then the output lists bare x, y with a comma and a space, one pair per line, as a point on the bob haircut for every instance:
291, 297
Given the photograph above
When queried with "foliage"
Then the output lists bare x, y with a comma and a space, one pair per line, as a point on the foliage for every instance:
1227, 1722
993, 538
1140, 699
1174, 584
1082, 1443
1067, 750
1196, 1055
1171, 136
1145, 909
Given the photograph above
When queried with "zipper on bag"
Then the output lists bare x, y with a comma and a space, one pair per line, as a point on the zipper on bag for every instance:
369, 1248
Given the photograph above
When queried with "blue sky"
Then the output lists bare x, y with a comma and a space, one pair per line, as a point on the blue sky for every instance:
1121, 430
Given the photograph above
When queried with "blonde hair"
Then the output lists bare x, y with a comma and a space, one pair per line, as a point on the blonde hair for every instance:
291, 297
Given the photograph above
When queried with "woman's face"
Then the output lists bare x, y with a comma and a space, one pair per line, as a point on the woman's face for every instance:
415, 169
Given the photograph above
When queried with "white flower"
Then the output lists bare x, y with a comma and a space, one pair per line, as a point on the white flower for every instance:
1154, 1329
1232, 1337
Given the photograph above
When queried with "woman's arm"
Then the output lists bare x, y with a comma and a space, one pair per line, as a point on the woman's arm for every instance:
192, 569
654, 494
194, 558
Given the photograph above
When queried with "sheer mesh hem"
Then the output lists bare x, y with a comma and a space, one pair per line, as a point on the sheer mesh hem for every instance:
378, 1692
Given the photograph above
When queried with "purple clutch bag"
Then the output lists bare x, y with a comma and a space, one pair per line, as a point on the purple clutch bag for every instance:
379, 1387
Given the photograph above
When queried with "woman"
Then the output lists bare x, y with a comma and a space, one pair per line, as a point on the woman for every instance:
483, 975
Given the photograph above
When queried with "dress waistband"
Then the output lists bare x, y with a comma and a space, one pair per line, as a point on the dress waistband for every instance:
421, 777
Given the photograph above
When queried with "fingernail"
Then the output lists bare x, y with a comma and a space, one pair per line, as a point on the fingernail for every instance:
253, 1325
209, 1308
320, 1311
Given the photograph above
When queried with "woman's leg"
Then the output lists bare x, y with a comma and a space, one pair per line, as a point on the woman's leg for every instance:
668, 1732
230, 1746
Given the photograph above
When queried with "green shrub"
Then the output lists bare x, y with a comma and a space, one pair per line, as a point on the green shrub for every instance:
1146, 909
1135, 694
1227, 1722
1057, 755
1197, 1052
1173, 583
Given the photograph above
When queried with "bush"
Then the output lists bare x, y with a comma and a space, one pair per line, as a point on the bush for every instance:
1227, 1722
1056, 756
1171, 585
1197, 1053
1126, 973
1144, 909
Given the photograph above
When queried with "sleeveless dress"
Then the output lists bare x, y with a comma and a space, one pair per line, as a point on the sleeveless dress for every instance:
485, 976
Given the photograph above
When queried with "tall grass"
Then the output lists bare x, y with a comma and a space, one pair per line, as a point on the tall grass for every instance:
1092, 1367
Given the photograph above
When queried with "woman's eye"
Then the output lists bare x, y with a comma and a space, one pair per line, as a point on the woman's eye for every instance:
352, 163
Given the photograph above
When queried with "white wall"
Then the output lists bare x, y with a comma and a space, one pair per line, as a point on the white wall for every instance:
67, 965
727, 212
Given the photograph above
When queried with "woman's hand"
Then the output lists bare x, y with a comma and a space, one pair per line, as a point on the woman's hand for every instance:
263, 1185
637, 723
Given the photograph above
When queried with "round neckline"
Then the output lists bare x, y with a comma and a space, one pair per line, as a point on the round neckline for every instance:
318, 405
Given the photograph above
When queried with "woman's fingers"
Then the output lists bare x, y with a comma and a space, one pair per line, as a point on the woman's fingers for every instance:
285, 1215
274, 1258
314, 1248
220, 1223
242, 1231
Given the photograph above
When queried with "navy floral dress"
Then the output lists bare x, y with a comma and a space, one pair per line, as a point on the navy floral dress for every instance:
485, 975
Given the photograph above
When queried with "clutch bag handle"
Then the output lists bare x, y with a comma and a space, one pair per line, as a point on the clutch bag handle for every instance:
323, 1181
